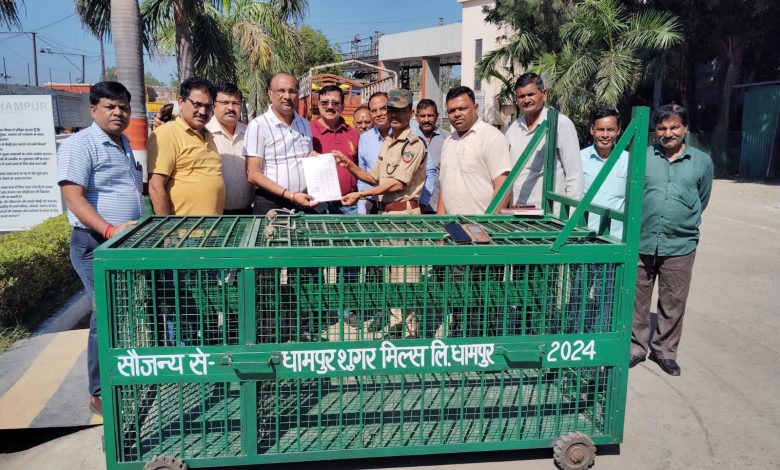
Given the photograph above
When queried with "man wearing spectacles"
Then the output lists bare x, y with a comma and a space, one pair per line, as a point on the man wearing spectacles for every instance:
369, 145
185, 169
229, 134
331, 132
275, 145
362, 119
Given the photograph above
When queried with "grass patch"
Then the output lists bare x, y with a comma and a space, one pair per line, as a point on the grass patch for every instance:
9, 336
36, 276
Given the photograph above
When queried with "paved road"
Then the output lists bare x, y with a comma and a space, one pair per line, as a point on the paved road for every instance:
722, 412
43, 382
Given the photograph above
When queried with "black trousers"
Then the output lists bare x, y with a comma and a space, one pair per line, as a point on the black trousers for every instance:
265, 201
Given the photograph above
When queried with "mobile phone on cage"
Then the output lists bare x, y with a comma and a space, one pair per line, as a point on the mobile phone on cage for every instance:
457, 233
477, 233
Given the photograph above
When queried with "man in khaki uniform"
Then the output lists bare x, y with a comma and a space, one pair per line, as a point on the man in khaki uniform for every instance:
399, 174
397, 179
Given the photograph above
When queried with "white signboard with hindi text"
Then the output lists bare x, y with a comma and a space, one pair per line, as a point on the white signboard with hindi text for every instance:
28, 162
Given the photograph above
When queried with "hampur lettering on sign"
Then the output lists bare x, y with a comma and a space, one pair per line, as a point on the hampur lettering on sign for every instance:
23, 106
389, 356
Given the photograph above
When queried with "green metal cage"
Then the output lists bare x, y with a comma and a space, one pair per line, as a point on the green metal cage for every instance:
251, 340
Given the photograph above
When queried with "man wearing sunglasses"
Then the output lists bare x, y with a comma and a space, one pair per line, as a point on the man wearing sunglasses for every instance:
331, 132
185, 169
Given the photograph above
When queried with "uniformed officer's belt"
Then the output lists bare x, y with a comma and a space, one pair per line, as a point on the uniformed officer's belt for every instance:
398, 206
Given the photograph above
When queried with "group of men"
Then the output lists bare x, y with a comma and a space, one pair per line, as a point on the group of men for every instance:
206, 162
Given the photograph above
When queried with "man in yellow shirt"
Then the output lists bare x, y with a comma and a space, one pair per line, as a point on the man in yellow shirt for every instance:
185, 169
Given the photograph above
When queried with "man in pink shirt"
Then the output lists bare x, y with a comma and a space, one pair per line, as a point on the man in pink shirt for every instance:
330, 132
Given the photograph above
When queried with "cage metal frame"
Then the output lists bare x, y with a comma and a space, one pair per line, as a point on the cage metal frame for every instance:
241, 372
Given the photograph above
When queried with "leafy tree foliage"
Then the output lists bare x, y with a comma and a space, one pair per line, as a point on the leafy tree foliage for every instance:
592, 52
605, 50
534, 26
317, 50
727, 42
9, 13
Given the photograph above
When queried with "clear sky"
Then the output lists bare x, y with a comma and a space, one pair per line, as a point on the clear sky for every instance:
58, 28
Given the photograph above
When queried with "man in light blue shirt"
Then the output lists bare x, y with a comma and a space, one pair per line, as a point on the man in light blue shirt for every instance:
592, 288
101, 184
427, 117
369, 145
605, 128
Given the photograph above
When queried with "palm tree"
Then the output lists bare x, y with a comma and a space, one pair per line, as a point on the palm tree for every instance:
262, 34
98, 22
507, 62
9, 13
101, 19
161, 15
216, 38
229, 40
128, 46
534, 26
605, 49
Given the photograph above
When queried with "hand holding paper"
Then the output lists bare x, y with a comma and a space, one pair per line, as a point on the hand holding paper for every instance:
322, 179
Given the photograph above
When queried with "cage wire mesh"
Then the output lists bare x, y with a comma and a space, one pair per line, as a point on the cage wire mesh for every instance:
372, 300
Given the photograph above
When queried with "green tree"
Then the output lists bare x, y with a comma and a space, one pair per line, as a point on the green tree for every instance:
149, 79
592, 52
736, 42
231, 40
224, 40
534, 26
317, 50
215, 38
127, 36
604, 52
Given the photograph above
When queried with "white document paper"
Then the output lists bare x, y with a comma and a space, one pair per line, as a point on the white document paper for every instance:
322, 179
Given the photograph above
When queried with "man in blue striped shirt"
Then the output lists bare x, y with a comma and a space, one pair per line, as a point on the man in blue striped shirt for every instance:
369, 145
102, 186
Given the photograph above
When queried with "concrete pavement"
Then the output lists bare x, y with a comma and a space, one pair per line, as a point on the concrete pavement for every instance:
42, 378
722, 412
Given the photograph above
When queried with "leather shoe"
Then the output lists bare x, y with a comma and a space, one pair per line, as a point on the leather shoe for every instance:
669, 366
634, 360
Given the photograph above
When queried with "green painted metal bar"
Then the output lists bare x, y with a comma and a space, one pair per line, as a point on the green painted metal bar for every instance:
230, 230
142, 224
631, 132
505, 188
550, 153
168, 232
207, 234
640, 119
513, 293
